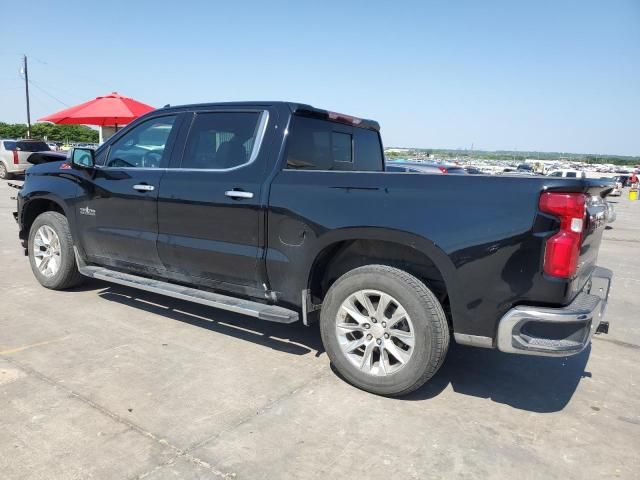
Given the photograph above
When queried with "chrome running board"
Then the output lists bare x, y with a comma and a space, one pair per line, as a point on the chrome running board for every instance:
270, 313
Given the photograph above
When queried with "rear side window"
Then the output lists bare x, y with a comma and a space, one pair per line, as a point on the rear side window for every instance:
320, 145
368, 150
221, 140
9, 145
571, 174
32, 146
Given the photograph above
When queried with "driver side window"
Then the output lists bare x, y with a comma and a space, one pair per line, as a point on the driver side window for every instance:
142, 147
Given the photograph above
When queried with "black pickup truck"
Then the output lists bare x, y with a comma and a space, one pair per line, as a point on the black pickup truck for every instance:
283, 212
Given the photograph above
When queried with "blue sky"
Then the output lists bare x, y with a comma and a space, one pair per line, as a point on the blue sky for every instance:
538, 75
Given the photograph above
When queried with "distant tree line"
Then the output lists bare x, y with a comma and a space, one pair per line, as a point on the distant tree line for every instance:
53, 133
518, 156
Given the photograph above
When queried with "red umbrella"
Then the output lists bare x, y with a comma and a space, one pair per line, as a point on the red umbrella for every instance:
109, 110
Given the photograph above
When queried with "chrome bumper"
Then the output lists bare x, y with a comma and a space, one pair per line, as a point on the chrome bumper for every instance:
557, 332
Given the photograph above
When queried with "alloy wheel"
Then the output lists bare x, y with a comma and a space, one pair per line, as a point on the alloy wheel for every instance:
375, 332
47, 252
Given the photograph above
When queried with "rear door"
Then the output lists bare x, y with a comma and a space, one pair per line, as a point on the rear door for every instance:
210, 218
118, 214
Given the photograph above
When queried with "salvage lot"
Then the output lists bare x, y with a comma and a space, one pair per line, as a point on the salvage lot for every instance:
109, 382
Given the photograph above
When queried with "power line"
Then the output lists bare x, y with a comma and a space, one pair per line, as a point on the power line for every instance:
39, 87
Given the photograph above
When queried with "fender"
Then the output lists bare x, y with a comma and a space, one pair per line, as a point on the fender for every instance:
56, 185
422, 245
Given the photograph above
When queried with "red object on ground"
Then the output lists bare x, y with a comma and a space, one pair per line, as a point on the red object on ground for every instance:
107, 111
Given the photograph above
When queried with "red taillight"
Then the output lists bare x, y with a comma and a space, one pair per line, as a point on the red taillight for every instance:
443, 169
15, 158
563, 249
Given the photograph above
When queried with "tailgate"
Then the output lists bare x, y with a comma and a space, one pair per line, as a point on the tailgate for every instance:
593, 229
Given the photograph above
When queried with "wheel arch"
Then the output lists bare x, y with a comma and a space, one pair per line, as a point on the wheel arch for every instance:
35, 207
344, 250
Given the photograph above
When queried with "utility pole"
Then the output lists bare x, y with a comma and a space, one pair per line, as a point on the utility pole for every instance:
26, 89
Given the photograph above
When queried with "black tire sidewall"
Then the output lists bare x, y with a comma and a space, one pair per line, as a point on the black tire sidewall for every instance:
59, 224
424, 356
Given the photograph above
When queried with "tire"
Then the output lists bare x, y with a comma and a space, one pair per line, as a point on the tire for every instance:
424, 318
66, 275
4, 173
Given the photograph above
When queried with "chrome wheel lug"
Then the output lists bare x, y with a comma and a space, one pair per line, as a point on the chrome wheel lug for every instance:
369, 337
384, 324
367, 326
374, 320
378, 341
386, 335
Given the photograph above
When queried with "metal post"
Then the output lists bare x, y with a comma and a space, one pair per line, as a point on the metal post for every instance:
26, 88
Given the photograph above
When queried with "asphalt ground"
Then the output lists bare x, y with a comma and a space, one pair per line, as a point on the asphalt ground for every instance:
107, 382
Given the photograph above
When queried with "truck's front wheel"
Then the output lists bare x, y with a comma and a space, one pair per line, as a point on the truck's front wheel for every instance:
51, 252
384, 330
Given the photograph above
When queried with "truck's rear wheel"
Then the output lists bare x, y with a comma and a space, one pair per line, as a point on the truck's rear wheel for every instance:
51, 252
384, 330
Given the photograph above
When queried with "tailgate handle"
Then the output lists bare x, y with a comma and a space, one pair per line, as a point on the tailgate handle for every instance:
142, 187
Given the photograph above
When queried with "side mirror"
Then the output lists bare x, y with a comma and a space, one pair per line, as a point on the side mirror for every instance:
83, 157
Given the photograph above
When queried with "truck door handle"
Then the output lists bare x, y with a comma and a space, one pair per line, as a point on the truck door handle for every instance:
238, 194
141, 187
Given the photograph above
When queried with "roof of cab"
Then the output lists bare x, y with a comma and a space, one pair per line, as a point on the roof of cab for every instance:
294, 107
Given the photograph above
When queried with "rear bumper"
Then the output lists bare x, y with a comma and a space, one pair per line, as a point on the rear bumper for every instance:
557, 332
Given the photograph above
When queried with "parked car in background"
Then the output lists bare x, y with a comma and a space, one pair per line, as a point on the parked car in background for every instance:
412, 167
623, 180
14, 155
525, 168
616, 186
473, 171
424, 167
567, 173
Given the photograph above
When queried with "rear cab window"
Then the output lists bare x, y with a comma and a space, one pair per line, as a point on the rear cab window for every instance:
316, 144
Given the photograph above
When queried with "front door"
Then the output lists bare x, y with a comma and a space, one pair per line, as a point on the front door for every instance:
118, 215
209, 215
